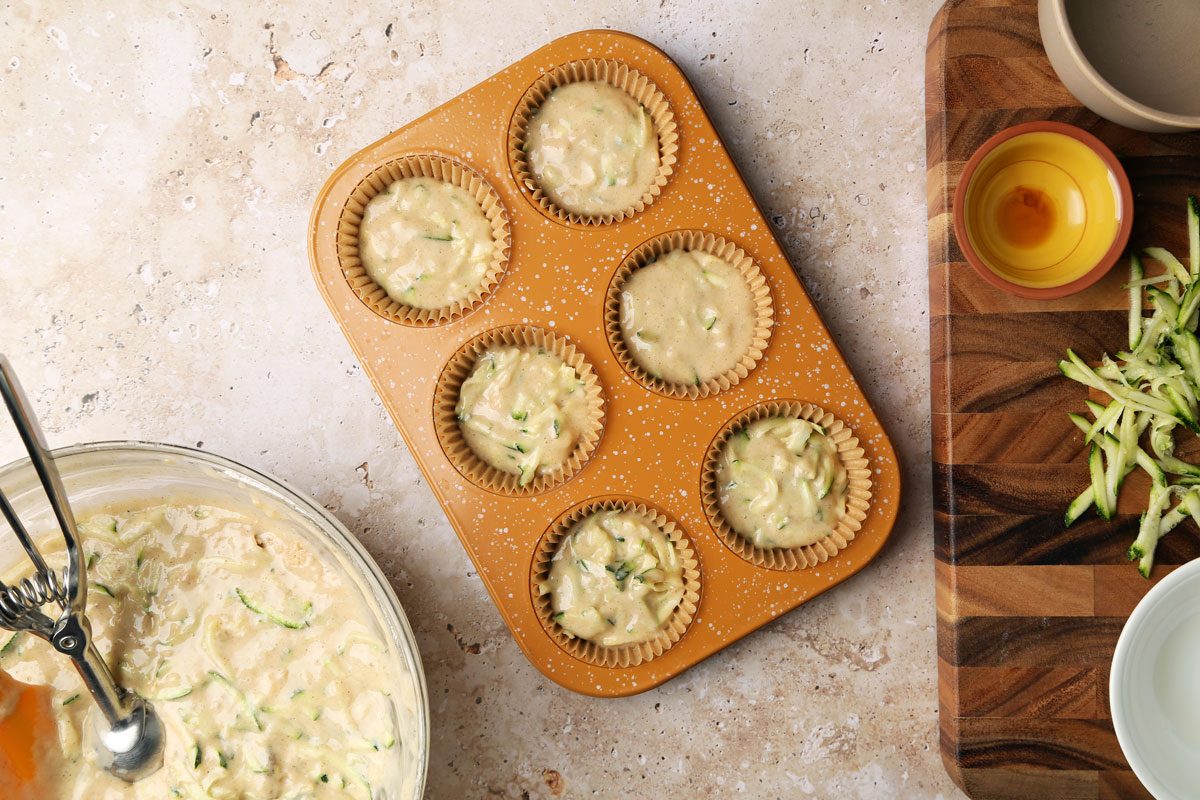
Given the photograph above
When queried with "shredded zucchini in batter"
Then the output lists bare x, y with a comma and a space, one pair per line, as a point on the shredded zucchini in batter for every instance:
522, 410
261, 657
615, 579
780, 483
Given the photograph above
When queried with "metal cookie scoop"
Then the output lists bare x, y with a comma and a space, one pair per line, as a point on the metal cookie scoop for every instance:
132, 746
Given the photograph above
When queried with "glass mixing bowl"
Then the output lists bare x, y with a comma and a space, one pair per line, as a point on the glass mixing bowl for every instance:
105, 473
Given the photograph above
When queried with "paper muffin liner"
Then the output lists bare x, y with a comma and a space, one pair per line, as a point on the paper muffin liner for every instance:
760, 292
437, 168
858, 489
614, 73
454, 444
626, 655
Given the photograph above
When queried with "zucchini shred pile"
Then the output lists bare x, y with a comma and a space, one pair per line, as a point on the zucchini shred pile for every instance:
1153, 389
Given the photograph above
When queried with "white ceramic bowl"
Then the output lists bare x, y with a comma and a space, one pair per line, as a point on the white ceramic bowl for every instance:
1154, 687
100, 474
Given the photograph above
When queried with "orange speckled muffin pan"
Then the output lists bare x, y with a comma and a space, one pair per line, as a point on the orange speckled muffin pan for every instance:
554, 284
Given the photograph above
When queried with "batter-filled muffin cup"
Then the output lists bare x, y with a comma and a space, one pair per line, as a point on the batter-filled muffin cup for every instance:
593, 142
518, 410
786, 485
615, 582
713, 331
423, 240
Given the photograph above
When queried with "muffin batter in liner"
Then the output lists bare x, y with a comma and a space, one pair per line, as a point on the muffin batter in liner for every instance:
454, 444
626, 655
437, 168
764, 315
858, 489
614, 73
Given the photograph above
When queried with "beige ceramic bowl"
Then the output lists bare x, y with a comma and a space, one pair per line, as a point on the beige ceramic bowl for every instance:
1133, 62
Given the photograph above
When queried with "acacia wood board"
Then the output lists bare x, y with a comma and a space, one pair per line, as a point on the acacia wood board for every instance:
1028, 612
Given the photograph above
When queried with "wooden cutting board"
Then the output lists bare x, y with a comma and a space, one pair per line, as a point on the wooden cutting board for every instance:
1028, 612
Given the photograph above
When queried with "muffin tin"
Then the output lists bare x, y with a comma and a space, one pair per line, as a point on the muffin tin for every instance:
652, 450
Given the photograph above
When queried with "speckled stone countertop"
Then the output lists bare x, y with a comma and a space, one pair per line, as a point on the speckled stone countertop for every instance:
158, 167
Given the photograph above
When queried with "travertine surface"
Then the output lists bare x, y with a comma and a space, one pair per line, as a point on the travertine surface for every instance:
157, 168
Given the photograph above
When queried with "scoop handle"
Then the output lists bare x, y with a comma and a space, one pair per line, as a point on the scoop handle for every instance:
73, 638
74, 587
131, 743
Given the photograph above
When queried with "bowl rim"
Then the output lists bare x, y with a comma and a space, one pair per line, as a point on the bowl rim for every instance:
306, 506
1181, 122
1106, 262
1119, 673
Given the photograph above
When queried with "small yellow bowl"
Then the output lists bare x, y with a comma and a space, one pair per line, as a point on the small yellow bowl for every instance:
1043, 210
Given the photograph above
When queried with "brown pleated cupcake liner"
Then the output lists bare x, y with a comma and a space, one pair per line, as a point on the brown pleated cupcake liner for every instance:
614, 73
427, 166
858, 490
648, 252
454, 444
626, 655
